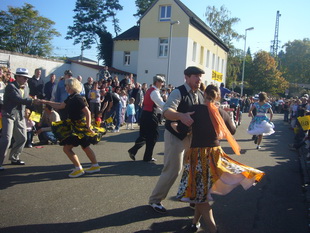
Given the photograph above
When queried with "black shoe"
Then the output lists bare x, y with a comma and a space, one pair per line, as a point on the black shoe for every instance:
158, 207
132, 156
192, 205
194, 227
28, 146
150, 161
17, 162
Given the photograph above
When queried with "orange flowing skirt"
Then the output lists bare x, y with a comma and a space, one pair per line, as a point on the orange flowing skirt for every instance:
209, 170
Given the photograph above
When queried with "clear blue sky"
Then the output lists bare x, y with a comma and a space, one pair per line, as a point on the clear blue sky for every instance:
294, 20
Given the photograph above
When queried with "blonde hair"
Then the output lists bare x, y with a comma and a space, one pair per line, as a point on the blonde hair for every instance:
74, 84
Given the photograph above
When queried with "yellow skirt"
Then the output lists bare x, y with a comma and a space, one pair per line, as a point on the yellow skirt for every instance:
210, 170
76, 133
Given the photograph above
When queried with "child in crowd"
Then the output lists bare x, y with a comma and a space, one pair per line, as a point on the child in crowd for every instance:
123, 99
98, 119
130, 113
30, 128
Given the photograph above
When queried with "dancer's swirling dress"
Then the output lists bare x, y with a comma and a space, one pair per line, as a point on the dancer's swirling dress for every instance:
260, 124
208, 169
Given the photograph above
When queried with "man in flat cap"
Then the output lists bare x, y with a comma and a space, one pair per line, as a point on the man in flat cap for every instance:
149, 121
16, 97
176, 109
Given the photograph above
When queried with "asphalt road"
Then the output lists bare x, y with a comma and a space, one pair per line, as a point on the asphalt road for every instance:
39, 197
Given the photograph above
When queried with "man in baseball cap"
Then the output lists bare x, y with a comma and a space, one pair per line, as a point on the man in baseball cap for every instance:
16, 97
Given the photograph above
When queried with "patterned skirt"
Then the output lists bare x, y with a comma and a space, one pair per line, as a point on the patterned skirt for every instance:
210, 170
76, 133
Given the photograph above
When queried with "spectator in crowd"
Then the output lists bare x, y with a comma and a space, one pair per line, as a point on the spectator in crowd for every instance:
125, 81
137, 94
104, 74
115, 81
16, 97
36, 85
44, 131
61, 94
80, 78
130, 112
124, 100
224, 90
88, 86
95, 100
49, 86
148, 133
30, 124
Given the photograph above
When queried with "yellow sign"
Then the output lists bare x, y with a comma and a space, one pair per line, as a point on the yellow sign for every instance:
217, 76
35, 116
304, 122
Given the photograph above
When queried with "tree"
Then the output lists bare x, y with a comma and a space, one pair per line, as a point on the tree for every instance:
295, 61
142, 6
266, 76
23, 30
222, 24
90, 24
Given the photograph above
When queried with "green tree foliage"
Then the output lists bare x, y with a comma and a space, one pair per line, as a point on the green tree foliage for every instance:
142, 6
23, 30
91, 17
295, 61
221, 24
266, 76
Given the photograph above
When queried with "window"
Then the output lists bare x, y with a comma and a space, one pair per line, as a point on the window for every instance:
194, 51
213, 61
164, 13
208, 59
218, 64
126, 58
201, 54
222, 68
163, 47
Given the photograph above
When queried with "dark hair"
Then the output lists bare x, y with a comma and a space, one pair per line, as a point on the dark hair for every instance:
49, 107
211, 92
262, 96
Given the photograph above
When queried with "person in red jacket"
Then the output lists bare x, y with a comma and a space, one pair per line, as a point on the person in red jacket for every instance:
149, 121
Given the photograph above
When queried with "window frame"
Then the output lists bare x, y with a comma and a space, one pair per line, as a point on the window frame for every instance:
165, 12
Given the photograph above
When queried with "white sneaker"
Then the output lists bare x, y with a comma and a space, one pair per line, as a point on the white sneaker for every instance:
115, 131
1, 169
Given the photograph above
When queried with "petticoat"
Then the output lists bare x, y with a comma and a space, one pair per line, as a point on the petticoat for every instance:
76, 133
261, 126
210, 170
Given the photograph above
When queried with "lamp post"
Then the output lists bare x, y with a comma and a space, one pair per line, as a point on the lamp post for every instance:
248, 29
169, 48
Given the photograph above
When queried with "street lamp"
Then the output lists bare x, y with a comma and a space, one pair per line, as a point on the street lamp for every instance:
169, 51
248, 29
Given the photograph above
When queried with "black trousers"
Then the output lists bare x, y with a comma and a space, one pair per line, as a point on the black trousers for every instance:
148, 135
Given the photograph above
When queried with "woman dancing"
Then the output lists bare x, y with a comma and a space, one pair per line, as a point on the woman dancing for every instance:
261, 124
208, 169
77, 129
